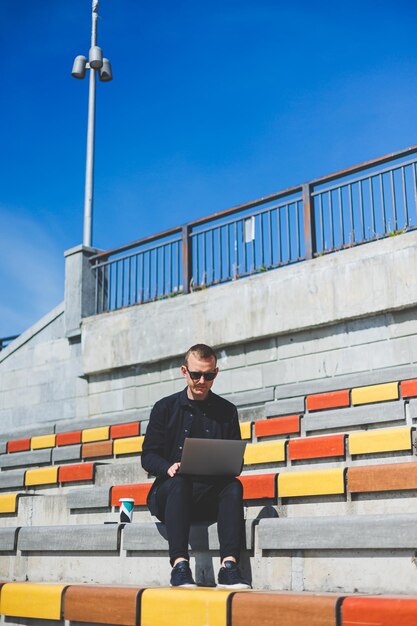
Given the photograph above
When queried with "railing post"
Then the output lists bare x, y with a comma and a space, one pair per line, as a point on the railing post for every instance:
79, 288
187, 259
309, 221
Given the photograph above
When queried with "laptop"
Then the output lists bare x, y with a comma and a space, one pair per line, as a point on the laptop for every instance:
212, 457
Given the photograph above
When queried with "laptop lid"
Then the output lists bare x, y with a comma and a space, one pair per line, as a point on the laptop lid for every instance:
212, 457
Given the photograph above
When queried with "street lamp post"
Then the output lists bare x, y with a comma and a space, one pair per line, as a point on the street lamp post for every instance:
95, 63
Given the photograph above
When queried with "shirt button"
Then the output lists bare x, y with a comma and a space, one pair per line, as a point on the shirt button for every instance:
186, 431
180, 447
207, 430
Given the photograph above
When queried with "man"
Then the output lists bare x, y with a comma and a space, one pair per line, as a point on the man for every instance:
177, 499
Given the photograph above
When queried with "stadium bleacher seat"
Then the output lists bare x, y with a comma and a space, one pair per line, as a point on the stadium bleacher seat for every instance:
269, 609
278, 426
316, 447
311, 483
313, 480
32, 600
380, 440
102, 604
389, 477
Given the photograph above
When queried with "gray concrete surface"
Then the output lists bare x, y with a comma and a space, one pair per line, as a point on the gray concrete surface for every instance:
8, 539
339, 533
383, 412
152, 536
89, 498
102, 420
25, 432
25, 459
12, 479
85, 538
291, 406
66, 453
40, 379
413, 407
79, 288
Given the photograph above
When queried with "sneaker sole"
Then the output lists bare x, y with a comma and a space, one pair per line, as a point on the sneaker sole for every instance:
186, 586
235, 586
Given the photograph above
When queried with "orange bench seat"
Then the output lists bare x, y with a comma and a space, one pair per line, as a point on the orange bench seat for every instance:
75, 473
18, 445
139, 492
68, 439
284, 425
377, 611
258, 486
330, 400
316, 447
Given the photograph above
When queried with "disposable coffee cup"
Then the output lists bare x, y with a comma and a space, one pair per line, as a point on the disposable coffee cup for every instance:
126, 509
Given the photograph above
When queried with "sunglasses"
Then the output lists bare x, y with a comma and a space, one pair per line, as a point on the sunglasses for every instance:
198, 375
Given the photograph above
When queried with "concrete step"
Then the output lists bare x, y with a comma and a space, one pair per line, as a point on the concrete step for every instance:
365, 554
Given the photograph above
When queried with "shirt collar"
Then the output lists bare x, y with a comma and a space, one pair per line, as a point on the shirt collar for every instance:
185, 401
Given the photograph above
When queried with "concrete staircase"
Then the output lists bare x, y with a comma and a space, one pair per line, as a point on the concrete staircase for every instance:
330, 483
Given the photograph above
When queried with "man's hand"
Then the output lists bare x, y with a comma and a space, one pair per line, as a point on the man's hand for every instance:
173, 469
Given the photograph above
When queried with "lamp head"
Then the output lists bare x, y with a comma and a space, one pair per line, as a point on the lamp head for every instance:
106, 72
79, 67
96, 57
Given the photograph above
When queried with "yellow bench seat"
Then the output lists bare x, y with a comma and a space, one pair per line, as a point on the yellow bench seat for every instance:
311, 483
8, 502
380, 440
168, 606
95, 434
374, 393
42, 476
265, 452
246, 430
32, 600
42, 441
129, 445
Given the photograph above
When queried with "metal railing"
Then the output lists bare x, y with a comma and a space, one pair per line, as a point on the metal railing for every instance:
152, 272
4, 341
255, 243
362, 203
366, 207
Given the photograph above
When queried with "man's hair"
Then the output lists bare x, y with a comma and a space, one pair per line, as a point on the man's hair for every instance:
201, 351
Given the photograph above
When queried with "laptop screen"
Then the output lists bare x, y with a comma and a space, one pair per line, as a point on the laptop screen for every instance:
212, 457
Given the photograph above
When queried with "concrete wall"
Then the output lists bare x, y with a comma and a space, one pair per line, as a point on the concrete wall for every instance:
40, 376
359, 282
377, 349
341, 319
346, 318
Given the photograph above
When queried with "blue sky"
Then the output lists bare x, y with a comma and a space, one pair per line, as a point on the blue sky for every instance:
212, 104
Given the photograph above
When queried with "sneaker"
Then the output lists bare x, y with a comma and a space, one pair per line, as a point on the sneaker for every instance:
231, 578
181, 575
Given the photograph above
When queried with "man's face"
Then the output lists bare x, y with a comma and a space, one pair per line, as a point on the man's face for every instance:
198, 388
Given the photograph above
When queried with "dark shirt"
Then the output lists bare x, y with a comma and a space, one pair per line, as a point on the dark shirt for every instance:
176, 417
201, 427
